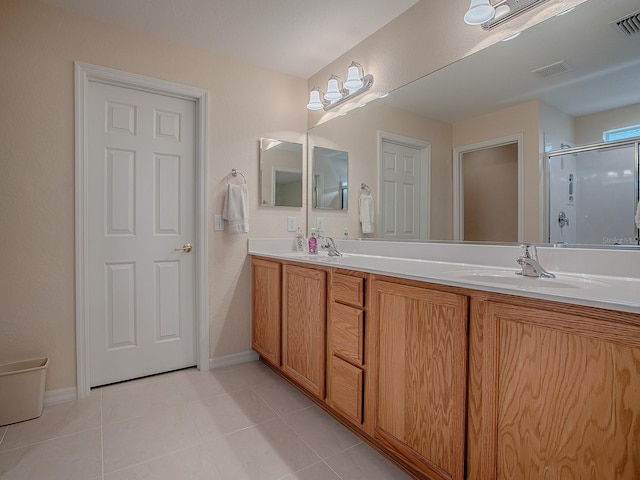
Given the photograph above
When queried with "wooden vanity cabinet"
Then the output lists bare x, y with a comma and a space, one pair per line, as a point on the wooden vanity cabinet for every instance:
266, 297
554, 392
345, 344
304, 319
418, 362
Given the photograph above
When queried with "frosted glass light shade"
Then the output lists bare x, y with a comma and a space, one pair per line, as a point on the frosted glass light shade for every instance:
314, 101
354, 82
502, 10
479, 12
333, 93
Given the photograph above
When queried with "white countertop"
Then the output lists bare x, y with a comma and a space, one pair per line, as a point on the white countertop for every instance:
458, 268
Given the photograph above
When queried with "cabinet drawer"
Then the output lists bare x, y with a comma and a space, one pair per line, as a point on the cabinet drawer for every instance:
345, 388
346, 332
348, 289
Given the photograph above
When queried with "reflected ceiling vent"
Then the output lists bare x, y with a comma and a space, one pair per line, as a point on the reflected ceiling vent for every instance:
553, 69
508, 9
628, 25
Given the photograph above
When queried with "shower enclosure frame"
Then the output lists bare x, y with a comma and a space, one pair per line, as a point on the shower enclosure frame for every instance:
588, 148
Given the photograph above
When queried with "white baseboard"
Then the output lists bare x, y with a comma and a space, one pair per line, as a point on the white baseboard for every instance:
234, 359
54, 397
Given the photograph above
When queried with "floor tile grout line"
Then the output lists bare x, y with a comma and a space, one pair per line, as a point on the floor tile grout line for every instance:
265, 402
33, 444
303, 441
156, 458
309, 466
331, 468
5, 433
218, 437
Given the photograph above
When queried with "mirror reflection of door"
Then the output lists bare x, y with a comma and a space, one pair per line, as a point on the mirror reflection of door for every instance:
286, 190
405, 187
401, 191
280, 173
490, 191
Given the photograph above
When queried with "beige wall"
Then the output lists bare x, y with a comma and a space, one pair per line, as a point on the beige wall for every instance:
522, 118
556, 128
357, 133
589, 128
38, 44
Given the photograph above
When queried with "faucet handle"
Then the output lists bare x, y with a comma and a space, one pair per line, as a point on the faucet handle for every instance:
529, 251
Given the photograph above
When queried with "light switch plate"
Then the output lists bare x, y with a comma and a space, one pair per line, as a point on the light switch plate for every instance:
218, 223
291, 224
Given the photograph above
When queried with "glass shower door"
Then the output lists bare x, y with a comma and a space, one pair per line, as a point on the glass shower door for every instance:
593, 195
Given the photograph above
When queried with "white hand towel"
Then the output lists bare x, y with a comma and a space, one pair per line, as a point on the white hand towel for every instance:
366, 213
638, 215
235, 209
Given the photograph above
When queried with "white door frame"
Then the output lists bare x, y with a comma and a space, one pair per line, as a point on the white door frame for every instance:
85, 73
458, 182
425, 178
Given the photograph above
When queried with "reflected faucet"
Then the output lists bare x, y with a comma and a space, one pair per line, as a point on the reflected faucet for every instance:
328, 244
530, 264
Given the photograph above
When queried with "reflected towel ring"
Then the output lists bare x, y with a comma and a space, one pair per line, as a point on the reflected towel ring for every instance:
234, 173
365, 187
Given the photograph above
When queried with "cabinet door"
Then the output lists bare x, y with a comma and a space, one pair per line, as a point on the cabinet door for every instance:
344, 382
559, 395
304, 318
421, 337
265, 308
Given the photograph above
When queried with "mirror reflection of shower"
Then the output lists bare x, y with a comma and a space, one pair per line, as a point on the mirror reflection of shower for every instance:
593, 194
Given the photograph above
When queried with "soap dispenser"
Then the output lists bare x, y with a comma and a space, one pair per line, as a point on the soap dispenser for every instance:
313, 242
300, 240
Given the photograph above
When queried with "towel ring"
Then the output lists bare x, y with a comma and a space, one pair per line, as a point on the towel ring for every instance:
234, 173
365, 187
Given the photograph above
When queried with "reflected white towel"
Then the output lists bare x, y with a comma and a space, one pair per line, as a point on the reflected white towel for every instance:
638, 216
235, 209
366, 213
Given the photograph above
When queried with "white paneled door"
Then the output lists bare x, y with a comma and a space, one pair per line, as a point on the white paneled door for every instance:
401, 185
141, 178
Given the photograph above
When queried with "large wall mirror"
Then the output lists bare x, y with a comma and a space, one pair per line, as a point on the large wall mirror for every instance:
280, 173
559, 85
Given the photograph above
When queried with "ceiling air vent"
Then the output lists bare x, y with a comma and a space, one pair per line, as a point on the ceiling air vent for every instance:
553, 69
628, 25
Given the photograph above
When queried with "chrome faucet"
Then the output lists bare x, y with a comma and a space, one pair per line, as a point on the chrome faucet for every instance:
330, 246
530, 264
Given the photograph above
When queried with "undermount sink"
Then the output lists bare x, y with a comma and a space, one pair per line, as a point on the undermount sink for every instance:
509, 277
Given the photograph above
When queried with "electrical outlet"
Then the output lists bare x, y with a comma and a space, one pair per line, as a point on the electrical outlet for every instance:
218, 223
320, 224
291, 224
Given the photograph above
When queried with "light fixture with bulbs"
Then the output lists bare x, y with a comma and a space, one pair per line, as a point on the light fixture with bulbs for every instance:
337, 91
483, 12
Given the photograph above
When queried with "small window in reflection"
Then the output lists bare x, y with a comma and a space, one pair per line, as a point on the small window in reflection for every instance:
621, 133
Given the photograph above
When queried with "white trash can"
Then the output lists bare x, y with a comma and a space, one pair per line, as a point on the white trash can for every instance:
22, 390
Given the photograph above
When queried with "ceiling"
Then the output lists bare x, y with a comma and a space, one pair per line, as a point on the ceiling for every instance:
604, 69
296, 37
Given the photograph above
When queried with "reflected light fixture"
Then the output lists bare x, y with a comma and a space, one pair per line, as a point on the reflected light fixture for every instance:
483, 12
337, 92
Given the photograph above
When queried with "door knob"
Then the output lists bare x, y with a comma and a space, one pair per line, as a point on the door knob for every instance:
187, 247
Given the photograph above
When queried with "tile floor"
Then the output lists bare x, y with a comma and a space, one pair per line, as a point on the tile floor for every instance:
241, 422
